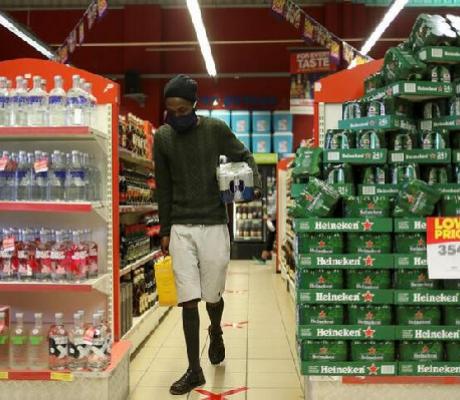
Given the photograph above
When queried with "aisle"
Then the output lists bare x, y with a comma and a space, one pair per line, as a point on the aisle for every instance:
259, 338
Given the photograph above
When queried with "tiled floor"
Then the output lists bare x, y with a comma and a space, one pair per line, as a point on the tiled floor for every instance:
260, 351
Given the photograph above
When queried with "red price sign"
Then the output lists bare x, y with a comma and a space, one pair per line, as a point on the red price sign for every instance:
8, 243
41, 166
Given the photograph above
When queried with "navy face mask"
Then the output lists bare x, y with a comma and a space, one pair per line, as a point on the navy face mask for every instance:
183, 123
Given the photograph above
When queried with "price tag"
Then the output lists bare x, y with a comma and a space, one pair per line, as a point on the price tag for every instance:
41, 166
8, 244
443, 247
61, 376
4, 375
3, 163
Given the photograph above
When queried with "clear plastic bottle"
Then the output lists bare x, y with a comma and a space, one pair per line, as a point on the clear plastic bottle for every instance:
57, 103
57, 177
40, 176
26, 248
43, 255
37, 104
18, 344
58, 345
108, 337
18, 103
5, 112
92, 104
8, 163
93, 266
23, 177
78, 348
60, 257
76, 178
38, 349
79, 269
4, 343
96, 333
7, 255
75, 103
94, 179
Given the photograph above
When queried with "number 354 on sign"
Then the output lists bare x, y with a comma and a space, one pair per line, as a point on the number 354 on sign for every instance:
443, 247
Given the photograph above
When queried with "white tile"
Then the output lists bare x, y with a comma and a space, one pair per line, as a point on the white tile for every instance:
274, 394
152, 393
141, 362
160, 378
271, 366
273, 380
269, 353
134, 378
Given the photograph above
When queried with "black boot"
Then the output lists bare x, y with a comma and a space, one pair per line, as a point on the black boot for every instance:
216, 350
189, 381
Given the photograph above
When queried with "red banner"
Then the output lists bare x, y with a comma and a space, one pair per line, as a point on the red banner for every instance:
311, 61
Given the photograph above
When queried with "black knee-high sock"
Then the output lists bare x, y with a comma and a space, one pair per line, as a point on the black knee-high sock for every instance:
191, 324
215, 312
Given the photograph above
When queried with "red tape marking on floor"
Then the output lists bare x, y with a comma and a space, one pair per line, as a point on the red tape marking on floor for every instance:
220, 396
238, 325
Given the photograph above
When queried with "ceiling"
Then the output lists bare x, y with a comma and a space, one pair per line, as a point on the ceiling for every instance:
117, 3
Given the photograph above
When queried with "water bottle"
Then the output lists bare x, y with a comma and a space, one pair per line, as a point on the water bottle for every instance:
7, 169
23, 177
38, 350
57, 103
78, 348
4, 103
94, 178
75, 103
37, 104
76, 182
18, 344
4, 343
58, 345
57, 177
40, 176
92, 103
18, 103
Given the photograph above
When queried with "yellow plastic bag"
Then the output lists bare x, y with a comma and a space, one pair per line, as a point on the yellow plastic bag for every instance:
166, 284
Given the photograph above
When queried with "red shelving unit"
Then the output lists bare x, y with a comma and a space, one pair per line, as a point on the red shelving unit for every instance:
46, 207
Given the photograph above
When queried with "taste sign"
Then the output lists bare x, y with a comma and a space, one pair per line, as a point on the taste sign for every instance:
311, 61
443, 247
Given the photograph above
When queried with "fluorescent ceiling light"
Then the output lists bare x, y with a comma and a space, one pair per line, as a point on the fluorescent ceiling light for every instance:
195, 14
388, 18
28, 37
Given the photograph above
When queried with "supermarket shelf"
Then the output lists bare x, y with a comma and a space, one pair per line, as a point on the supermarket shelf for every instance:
131, 157
138, 263
252, 240
101, 283
50, 206
144, 325
138, 209
50, 133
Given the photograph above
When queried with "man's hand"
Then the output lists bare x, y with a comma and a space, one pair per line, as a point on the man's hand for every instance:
257, 194
165, 245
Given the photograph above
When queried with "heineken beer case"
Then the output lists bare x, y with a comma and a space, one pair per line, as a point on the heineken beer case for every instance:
359, 314
236, 182
452, 315
418, 315
421, 351
372, 350
411, 242
324, 350
320, 314
320, 279
415, 279
367, 206
369, 243
320, 243
369, 279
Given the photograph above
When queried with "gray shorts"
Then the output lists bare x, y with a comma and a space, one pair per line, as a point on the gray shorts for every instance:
200, 256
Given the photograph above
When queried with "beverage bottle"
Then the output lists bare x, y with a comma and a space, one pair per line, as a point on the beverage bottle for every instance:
92, 102
8, 164
61, 258
37, 104
57, 177
57, 103
87, 176
76, 103
27, 264
18, 344
96, 335
108, 337
93, 266
94, 179
78, 348
43, 255
5, 112
4, 343
58, 345
7, 254
23, 177
79, 268
18, 103
76, 178
38, 350
40, 176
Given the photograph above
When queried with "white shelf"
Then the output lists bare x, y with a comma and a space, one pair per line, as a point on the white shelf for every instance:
144, 325
142, 208
138, 263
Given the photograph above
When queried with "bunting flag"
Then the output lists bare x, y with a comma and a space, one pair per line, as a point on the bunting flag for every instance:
315, 33
95, 10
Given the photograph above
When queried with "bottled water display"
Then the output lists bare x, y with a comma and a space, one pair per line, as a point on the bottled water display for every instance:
40, 176
45, 255
37, 107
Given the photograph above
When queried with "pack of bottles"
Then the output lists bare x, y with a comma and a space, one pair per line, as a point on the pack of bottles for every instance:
134, 135
84, 346
134, 243
42, 176
21, 106
134, 187
47, 255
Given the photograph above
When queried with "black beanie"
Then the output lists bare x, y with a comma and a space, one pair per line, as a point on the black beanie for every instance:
181, 86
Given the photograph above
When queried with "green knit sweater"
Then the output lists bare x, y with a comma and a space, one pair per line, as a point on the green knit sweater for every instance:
185, 170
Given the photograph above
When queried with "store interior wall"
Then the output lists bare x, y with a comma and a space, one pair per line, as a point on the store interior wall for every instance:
151, 23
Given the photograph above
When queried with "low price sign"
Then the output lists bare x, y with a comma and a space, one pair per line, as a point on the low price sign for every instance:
443, 247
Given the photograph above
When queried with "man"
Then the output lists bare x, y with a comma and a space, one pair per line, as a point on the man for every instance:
193, 218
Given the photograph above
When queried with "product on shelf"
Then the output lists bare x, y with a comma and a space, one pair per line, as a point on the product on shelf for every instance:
134, 187
134, 243
44, 255
135, 135
38, 345
58, 339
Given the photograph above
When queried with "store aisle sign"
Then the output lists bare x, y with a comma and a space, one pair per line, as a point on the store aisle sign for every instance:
311, 61
443, 247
